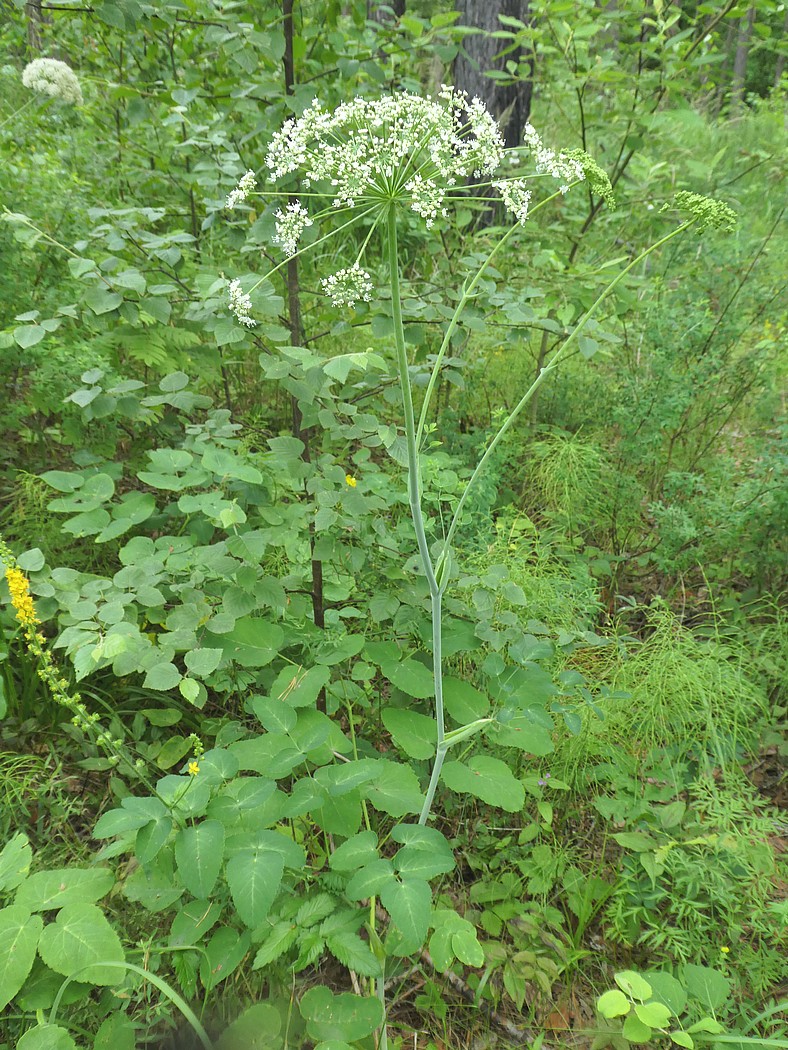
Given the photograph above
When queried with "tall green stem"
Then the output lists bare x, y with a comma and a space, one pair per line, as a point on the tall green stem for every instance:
414, 498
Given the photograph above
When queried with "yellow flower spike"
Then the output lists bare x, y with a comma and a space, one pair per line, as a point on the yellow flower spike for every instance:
19, 589
194, 769
350, 480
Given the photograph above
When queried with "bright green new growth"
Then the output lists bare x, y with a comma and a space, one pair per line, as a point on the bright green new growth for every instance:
707, 212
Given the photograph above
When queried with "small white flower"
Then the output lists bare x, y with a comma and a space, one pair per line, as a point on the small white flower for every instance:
240, 304
346, 287
245, 186
562, 168
50, 77
290, 224
516, 197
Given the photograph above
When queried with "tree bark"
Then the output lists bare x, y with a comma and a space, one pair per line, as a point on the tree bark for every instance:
740, 60
778, 69
509, 103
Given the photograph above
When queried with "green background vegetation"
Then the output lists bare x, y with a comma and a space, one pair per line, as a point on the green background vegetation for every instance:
175, 487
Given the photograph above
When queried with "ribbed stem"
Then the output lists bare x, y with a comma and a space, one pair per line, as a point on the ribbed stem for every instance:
414, 498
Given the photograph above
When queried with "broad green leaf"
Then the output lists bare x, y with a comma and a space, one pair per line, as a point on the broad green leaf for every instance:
203, 662
253, 642
152, 838
635, 986
273, 715
162, 676
172, 751
355, 852
193, 922
486, 778
19, 933
257, 1028
409, 904
28, 335
343, 1017
117, 1032
370, 880
466, 947
636, 840
464, 703
523, 733
224, 953
199, 852
415, 863
102, 300
707, 1024
655, 1015
254, 877
411, 677
78, 942
635, 1031
666, 989
15, 860
613, 1003
343, 777
682, 1039
413, 733
299, 688
396, 791
708, 986
46, 1037
46, 890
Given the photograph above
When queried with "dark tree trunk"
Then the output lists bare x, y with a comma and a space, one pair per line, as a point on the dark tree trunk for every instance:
510, 103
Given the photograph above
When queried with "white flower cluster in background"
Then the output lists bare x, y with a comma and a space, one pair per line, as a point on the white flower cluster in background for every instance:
245, 186
50, 77
516, 198
241, 304
346, 287
562, 167
290, 224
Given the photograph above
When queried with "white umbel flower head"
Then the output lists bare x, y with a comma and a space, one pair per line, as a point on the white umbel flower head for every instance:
245, 186
241, 304
50, 77
399, 149
290, 224
346, 287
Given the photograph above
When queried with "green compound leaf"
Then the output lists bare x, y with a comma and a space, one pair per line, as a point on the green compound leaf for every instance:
78, 942
46, 890
254, 877
486, 778
46, 1037
282, 937
354, 953
199, 852
613, 1004
19, 933
15, 860
339, 1017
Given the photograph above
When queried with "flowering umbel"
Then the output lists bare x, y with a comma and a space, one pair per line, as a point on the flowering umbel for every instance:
50, 77
369, 156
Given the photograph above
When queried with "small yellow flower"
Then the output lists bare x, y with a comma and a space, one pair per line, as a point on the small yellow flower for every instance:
19, 589
725, 949
350, 480
194, 769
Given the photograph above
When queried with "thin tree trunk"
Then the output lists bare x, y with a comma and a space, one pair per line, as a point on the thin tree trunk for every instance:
778, 69
34, 19
740, 60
